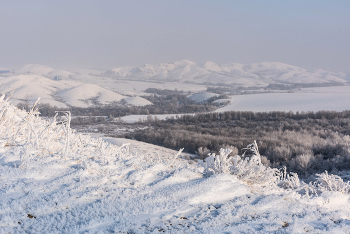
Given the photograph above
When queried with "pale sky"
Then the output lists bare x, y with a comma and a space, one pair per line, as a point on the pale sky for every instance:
102, 34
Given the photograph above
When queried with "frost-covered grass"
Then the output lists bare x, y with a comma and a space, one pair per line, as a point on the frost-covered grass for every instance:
54, 180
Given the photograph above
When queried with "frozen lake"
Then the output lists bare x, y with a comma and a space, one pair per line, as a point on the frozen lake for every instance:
289, 102
310, 99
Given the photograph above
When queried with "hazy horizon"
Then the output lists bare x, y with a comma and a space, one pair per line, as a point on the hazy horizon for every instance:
109, 34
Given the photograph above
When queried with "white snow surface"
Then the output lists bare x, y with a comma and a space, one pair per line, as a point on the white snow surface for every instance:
38, 80
30, 87
328, 98
137, 101
234, 73
53, 180
60, 93
81, 95
34, 69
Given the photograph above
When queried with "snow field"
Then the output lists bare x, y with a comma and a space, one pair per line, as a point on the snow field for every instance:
290, 102
79, 95
137, 101
53, 180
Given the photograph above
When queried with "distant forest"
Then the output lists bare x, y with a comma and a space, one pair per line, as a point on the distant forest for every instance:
304, 142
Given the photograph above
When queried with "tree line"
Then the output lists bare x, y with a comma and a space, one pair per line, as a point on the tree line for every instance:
305, 142
176, 102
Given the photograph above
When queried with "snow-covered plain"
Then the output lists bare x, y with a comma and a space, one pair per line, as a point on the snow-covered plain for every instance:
315, 99
54, 180
308, 99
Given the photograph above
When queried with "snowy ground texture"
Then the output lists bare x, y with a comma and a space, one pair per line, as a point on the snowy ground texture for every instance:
53, 180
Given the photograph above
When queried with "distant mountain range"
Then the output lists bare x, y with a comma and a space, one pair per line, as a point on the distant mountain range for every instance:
234, 73
84, 89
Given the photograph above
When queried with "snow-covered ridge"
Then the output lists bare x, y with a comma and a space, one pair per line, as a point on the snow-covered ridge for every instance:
82, 94
58, 88
54, 180
234, 73
87, 87
42, 70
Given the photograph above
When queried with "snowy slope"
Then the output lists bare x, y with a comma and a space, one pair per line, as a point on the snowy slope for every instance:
209, 72
165, 71
42, 70
59, 87
30, 87
34, 69
137, 101
54, 180
180, 71
82, 95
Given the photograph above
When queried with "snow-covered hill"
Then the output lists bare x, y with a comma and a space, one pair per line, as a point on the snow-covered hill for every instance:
49, 72
58, 88
31, 87
85, 94
84, 88
137, 101
209, 72
54, 180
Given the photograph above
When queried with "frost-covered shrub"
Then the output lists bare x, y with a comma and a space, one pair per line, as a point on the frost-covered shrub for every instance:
265, 161
202, 152
234, 150
288, 180
250, 170
247, 168
302, 163
326, 182
216, 164
37, 137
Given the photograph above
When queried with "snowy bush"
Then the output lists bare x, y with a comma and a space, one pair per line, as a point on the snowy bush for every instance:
250, 170
326, 182
37, 137
288, 181
247, 168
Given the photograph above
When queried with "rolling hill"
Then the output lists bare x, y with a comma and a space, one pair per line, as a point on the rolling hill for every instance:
234, 73
87, 88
